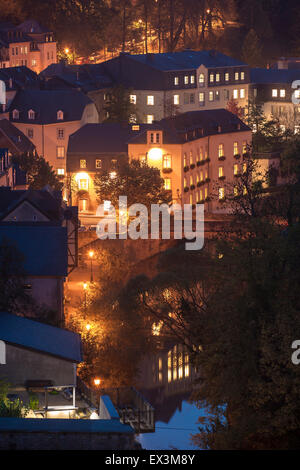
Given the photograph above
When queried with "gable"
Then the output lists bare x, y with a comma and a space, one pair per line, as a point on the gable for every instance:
26, 212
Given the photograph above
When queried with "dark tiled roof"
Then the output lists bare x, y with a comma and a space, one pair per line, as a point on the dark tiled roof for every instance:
19, 143
48, 204
32, 27
269, 76
47, 339
22, 77
47, 103
87, 77
44, 247
187, 59
107, 137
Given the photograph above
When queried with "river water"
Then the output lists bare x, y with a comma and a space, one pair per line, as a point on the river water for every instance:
166, 380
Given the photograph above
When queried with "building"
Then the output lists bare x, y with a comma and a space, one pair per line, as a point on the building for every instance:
193, 151
168, 83
273, 88
14, 79
48, 118
28, 44
90, 79
12, 143
93, 149
44, 230
32, 351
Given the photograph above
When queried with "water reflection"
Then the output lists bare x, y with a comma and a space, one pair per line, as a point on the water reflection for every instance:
166, 380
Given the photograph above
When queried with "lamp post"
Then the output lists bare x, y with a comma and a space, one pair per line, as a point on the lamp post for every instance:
91, 255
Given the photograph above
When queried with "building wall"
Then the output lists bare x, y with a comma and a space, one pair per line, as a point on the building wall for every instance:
48, 292
46, 138
25, 213
37, 59
23, 364
189, 153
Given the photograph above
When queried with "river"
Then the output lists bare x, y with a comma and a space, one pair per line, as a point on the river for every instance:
166, 379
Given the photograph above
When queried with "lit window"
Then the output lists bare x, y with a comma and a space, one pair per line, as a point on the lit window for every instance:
60, 115
186, 80
236, 76
201, 98
242, 75
235, 148
274, 93
192, 78
221, 150
201, 79
244, 167
98, 164
167, 161
235, 169
206, 193
242, 93
211, 96
191, 199
221, 193
176, 99
33, 62
154, 138
167, 184
176, 81
150, 118
132, 118
82, 163
150, 100
217, 77
227, 77
31, 114
235, 94
60, 171
282, 93
211, 78
235, 191
83, 184
244, 147
221, 171
132, 99
60, 152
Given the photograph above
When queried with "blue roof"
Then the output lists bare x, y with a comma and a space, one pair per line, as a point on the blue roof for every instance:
64, 425
44, 247
187, 59
41, 337
268, 76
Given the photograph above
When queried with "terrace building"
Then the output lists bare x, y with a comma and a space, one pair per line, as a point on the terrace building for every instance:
169, 83
191, 150
48, 118
28, 44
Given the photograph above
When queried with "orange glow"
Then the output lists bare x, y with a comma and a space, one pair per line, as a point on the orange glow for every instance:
97, 381
91, 254
88, 327
85, 285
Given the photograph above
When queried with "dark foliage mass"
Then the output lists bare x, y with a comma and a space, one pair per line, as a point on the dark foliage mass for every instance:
256, 30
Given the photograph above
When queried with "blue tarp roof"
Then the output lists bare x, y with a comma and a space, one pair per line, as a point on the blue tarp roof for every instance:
44, 247
41, 337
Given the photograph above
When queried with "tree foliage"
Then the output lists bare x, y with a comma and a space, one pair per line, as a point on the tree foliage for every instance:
39, 172
138, 181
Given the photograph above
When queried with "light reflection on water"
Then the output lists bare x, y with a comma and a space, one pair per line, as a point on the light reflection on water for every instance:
166, 380
176, 433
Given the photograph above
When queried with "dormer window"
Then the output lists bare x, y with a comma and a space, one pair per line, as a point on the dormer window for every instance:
60, 115
31, 114
15, 114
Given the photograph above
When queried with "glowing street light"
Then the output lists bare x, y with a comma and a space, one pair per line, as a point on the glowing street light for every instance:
88, 326
97, 382
67, 50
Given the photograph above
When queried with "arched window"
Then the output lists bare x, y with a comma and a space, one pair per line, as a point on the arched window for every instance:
31, 114
60, 115
15, 114
2, 353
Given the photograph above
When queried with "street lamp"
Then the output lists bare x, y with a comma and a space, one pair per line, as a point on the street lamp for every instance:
91, 255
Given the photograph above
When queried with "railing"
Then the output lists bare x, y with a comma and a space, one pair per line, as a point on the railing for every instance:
133, 408
89, 395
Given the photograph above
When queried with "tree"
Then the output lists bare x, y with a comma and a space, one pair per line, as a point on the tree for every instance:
252, 51
116, 338
14, 298
39, 172
234, 108
119, 107
141, 183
